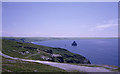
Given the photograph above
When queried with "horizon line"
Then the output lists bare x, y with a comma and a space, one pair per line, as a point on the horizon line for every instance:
63, 37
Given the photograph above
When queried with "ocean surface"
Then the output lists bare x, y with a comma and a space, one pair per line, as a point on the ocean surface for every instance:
98, 51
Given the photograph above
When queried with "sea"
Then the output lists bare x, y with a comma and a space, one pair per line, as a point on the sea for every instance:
98, 51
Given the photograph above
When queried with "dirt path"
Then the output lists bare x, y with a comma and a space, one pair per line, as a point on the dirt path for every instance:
67, 67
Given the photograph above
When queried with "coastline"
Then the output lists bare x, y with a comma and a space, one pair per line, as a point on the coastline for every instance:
51, 40
46, 43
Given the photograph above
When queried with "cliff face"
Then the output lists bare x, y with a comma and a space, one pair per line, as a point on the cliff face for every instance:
37, 52
69, 57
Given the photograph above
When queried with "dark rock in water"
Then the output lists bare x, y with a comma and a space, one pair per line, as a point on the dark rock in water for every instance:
74, 44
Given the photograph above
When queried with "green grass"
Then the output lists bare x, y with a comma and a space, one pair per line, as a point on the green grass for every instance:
118, 69
21, 66
12, 48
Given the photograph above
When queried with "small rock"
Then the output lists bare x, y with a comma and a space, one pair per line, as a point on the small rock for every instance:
35, 71
56, 55
27, 52
45, 57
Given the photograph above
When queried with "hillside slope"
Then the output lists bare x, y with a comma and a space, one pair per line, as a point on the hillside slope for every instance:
37, 52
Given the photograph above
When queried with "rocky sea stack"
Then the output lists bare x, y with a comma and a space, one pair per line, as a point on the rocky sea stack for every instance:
74, 43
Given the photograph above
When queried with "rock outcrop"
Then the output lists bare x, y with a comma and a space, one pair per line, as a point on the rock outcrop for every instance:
74, 44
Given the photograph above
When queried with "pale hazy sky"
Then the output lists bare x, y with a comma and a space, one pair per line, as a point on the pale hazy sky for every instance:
62, 19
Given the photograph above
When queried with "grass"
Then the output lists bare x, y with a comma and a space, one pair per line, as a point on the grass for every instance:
10, 65
118, 69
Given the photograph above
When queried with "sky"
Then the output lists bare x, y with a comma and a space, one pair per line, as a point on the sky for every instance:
60, 19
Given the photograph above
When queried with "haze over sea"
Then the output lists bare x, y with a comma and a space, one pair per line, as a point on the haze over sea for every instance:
98, 51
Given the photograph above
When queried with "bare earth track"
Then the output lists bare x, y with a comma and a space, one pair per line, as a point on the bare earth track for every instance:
67, 67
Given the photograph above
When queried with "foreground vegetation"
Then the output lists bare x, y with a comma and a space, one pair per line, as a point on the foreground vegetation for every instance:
10, 65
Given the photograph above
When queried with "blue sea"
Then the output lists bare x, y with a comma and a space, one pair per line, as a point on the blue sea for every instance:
98, 51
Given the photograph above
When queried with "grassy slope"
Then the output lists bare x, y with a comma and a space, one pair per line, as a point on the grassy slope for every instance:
13, 48
10, 65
